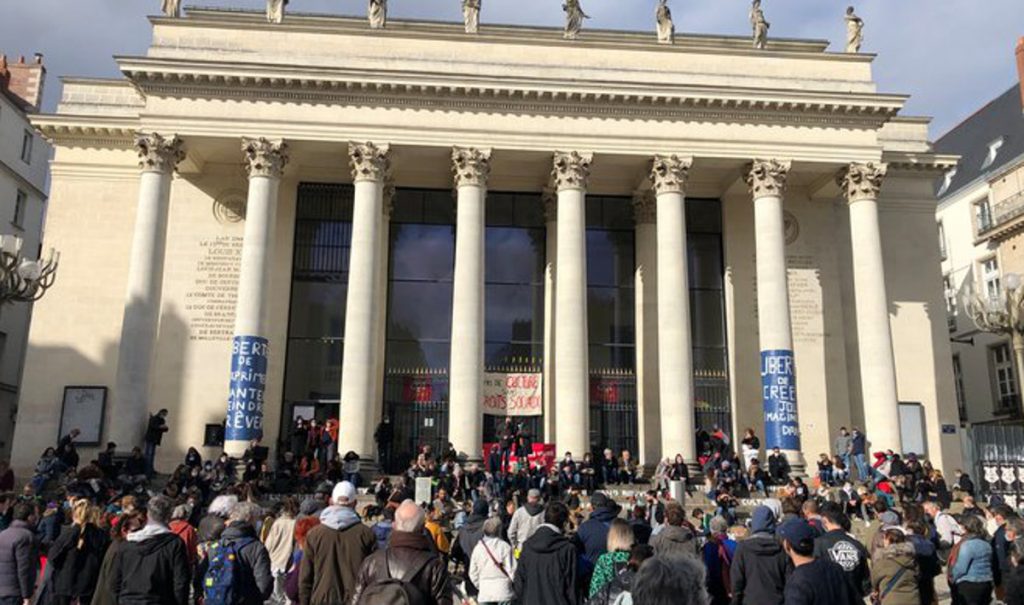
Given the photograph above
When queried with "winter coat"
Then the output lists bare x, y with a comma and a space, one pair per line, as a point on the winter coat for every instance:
593, 533
469, 536
894, 571
928, 566
104, 594
280, 542
76, 570
493, 583
546, 574
255, 582
1013, 582
19, 561
405, 552
821, 582
759, 571
525, 521
184, 530
608, 566
673, 539
334, 552
151, 568
843, 549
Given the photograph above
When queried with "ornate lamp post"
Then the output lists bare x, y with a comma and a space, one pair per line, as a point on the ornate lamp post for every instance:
1003, 314
21, 279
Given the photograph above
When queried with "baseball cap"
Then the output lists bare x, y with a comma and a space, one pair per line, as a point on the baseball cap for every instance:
799, 534
344, 492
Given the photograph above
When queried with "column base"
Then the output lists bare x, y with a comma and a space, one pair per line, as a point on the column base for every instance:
797, 464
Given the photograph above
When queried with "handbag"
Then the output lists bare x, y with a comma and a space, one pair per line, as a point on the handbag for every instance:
497, 563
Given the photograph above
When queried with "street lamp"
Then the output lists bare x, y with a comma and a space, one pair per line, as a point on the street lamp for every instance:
1002, 313
21, 279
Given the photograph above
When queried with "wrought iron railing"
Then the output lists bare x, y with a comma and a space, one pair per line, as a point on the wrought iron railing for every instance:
1006, 210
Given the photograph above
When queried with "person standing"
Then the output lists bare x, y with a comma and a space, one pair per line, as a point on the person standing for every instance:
841, 446
815, 580
526, 520
19, 557
384, 435
76, 556
492, 566
334, 551
843, 549
674, 579
895, 576
858, 451
674, 537
280, 543
151, 566
970, 565
760, 566
154, 436
718, 553
750, 447
546, 574
621, 540
251, 581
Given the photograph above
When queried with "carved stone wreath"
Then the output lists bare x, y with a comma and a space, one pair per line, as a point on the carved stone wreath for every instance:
229, 207
790, 226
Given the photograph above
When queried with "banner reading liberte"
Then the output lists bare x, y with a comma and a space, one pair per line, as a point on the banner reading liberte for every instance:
512, 394
245, 395
778, 383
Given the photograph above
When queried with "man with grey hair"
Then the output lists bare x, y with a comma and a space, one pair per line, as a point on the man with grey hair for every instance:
252, 581
152, 566
670, 580
526, 520
410, 557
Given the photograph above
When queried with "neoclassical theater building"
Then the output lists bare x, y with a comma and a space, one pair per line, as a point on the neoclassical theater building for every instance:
617, 241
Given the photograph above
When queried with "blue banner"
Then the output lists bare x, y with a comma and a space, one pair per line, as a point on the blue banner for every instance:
778, 384
248, 381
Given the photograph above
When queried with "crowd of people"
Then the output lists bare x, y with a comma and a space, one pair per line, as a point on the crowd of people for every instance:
574, 532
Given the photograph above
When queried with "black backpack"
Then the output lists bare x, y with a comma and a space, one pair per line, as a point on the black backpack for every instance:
390, 590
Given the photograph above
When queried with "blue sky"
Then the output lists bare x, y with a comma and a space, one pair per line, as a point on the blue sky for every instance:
952, 56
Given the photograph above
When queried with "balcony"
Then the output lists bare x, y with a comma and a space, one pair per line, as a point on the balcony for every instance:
1004, 214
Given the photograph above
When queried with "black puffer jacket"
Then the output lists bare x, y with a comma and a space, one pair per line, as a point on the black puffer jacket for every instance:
75, 570
759, 571
547, 569
152, 571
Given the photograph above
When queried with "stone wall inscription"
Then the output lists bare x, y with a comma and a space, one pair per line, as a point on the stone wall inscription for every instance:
210, 302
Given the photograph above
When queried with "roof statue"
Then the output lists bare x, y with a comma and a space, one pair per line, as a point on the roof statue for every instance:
171, 8
574, 17
275, 10
471, 15
666, 29
759, 24
378, 13
854, 31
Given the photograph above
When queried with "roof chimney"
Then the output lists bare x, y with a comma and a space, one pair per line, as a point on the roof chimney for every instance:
1020, 68
24, 81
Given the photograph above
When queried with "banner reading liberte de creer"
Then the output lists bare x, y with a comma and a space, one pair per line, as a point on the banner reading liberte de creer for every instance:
778, 384
515, 394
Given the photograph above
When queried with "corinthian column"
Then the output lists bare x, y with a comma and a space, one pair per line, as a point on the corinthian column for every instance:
158, 157
646, 282
465, 418
370, 165
675, 348
767, 182
572, 432
265, 161
549, 197
861, 184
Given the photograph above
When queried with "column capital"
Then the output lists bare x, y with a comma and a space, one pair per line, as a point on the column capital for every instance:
388, 198
767, 177
471, 166
669, 173
571, 170
369, 161
645, 207
264, 157
158, 153
549, 198
861, 181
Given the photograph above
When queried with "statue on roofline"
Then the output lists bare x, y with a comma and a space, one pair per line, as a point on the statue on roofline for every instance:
666, 29
378, 13
759, 24
574, 17
171, 8
854, 31
275, 10
471, 15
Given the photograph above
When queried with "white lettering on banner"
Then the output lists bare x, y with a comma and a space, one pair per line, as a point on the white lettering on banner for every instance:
512, 394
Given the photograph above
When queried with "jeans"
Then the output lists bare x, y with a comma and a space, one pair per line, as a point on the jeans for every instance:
862, 467
352, 478
825, 477
150, 454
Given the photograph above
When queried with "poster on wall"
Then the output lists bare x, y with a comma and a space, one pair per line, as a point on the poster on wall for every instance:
513, 394
778, 385
83, 409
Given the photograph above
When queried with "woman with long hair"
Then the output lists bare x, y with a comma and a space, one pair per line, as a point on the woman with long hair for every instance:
77, 555
291, 580
970, 565
620, 541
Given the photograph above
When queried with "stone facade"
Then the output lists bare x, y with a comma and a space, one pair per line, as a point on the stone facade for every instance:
587, 117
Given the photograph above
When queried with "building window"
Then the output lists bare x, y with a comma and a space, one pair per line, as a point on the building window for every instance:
982, 216
942, 241
20, 205
1007, 397
990, 278
26, 147
950, 293
958, 384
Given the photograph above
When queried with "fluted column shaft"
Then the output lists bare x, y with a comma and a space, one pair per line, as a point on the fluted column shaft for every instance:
572, 425
861, 184
370, 166
550, 200
265, 161
465, 416
767, 182
158, 157
646, 285
675, 347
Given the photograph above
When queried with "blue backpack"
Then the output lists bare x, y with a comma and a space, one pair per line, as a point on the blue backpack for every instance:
220, 583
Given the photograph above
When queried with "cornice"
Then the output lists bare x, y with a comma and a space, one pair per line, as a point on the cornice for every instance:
175, 78
87, 131
907, 161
